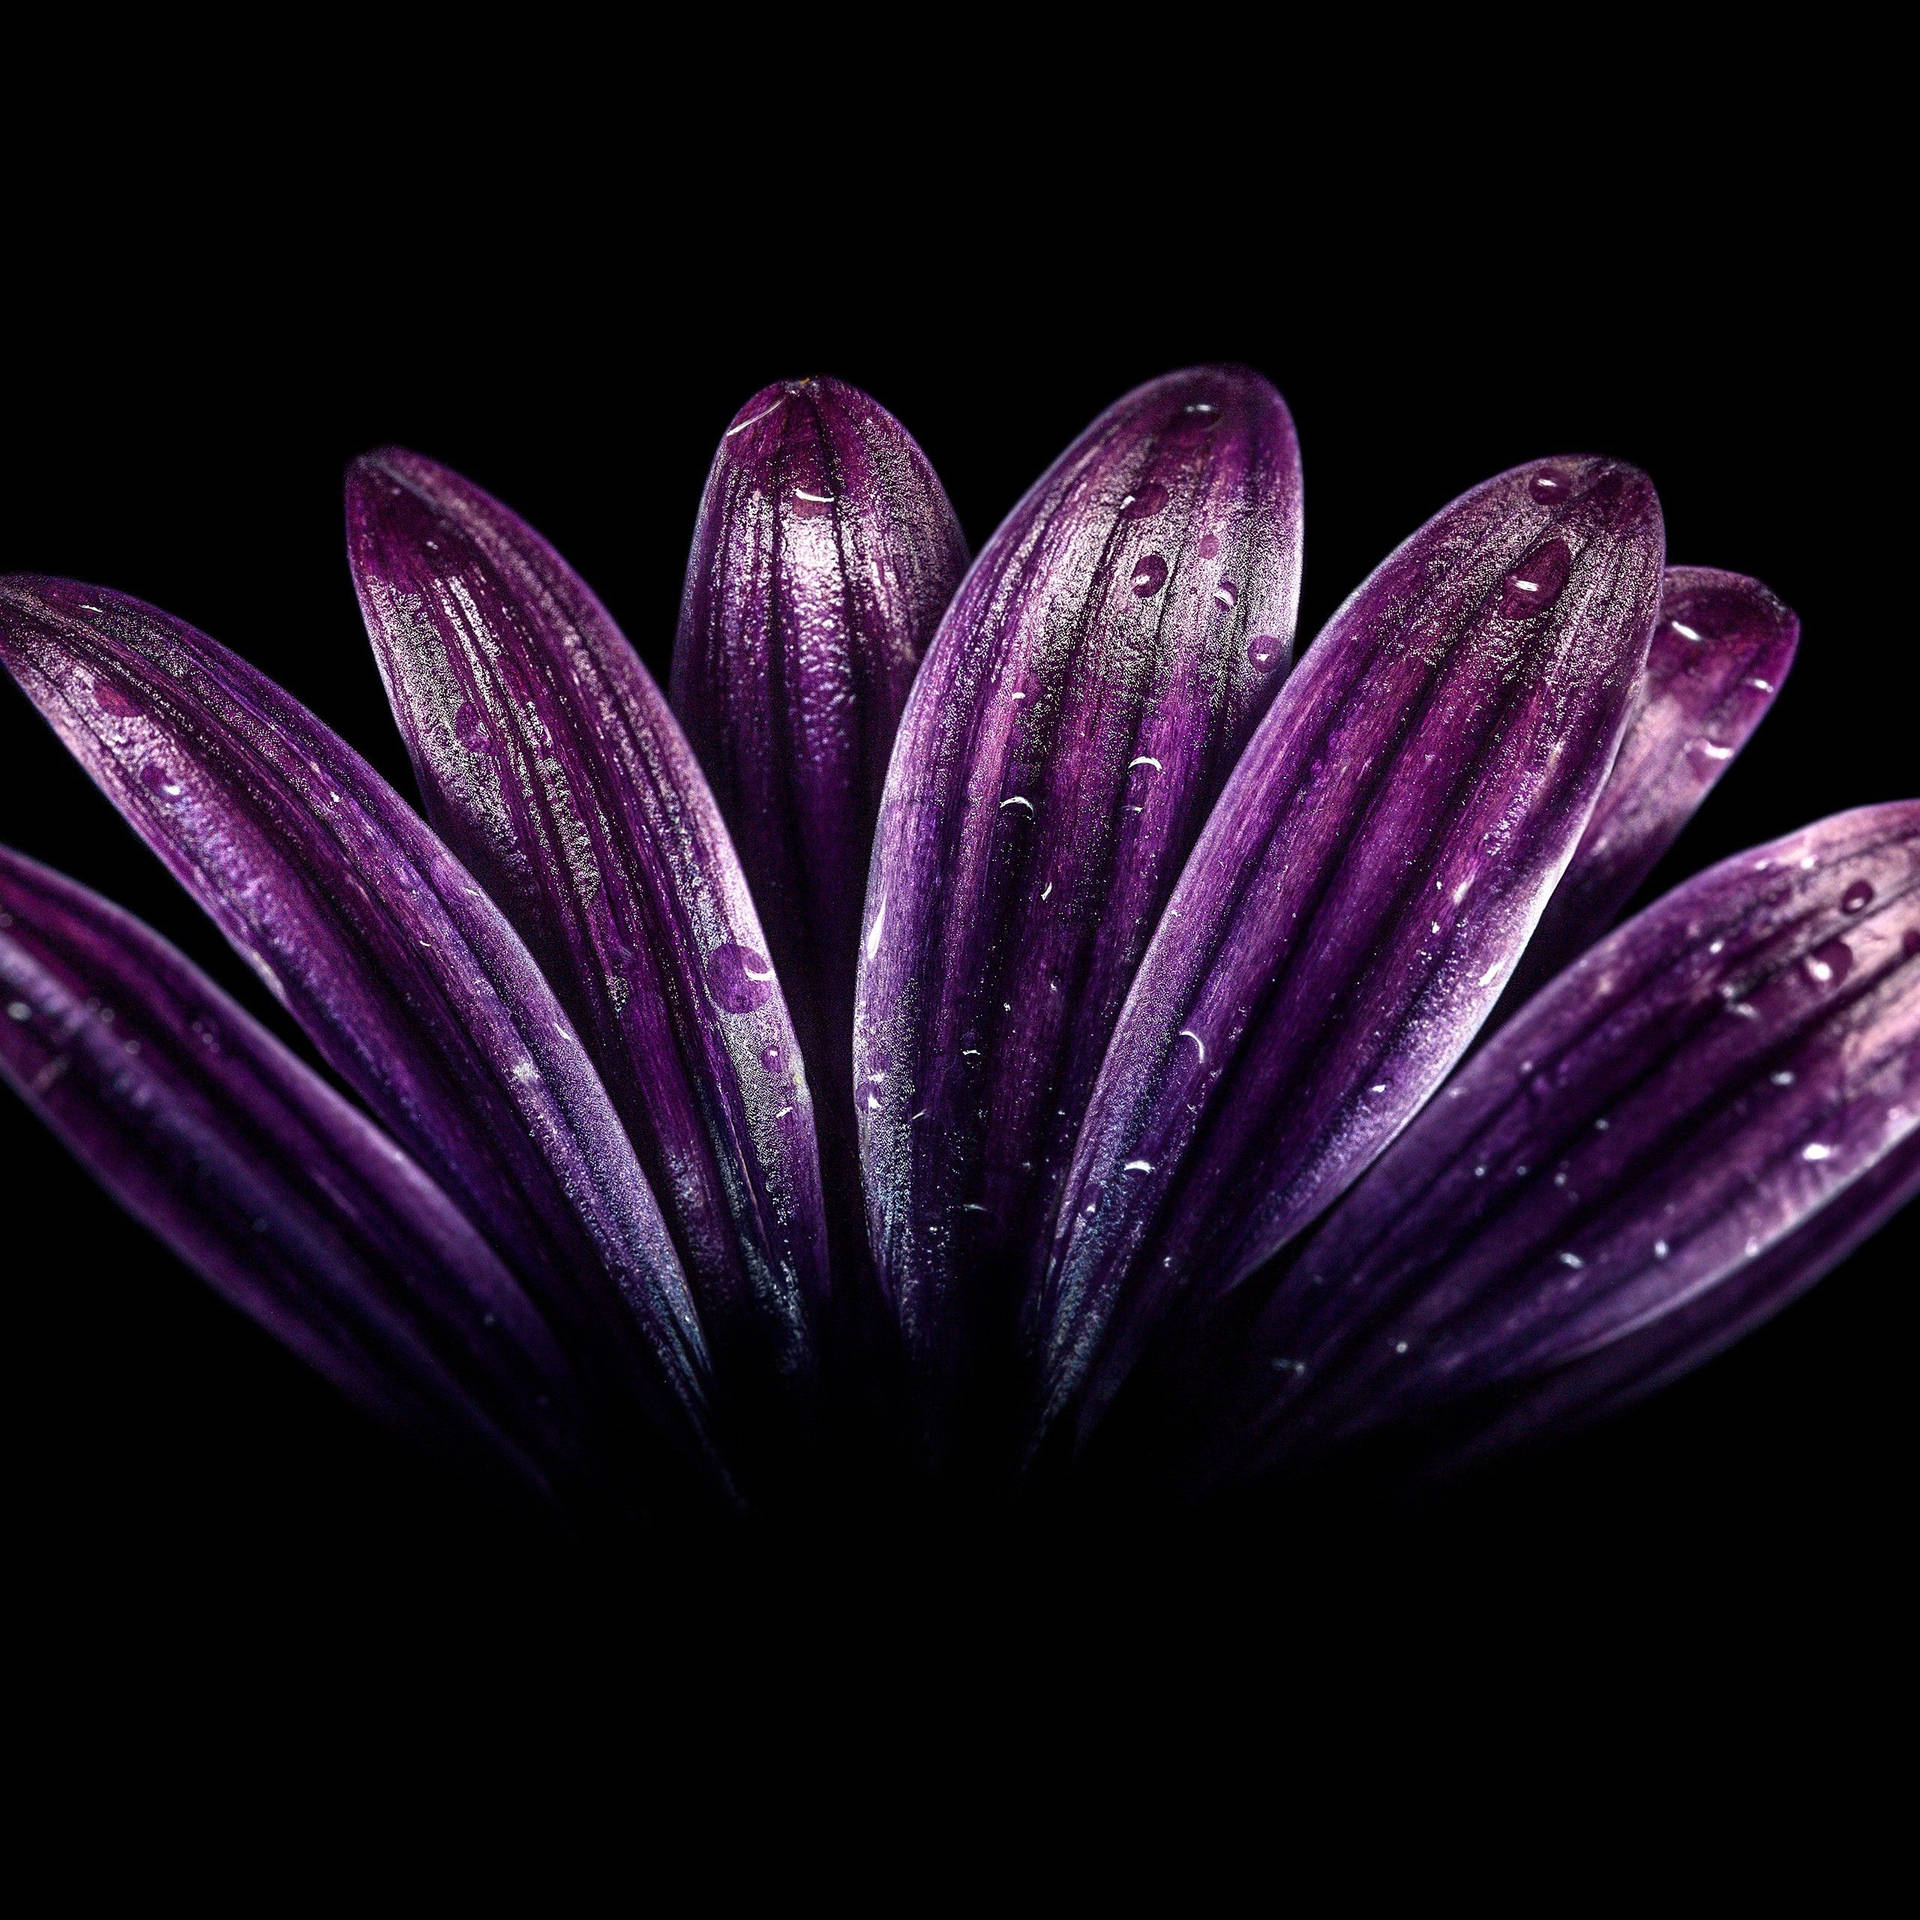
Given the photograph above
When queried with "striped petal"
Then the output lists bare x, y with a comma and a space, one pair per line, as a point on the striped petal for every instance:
1642, 1164
825, 554
1364, 888
1721, 649
553, 767
1088, 691
380, 944
287, 1200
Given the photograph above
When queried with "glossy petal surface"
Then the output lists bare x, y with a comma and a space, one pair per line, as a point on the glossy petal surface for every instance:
825, 554
1079, 709
1641, 1160
553, 767
1359, 896
374, 937
288, 1201
1722, 648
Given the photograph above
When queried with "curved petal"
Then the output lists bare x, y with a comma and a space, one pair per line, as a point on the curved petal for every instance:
1364, 887
1624, 1175
1088, 690
825, 554
1614, 1377
291, 1204
1722, 647
406, 976
554, 768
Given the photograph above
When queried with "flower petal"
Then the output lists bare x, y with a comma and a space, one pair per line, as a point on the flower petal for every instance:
1364, 887
1087, 692
1629, 1167
553, 767
292, 1205
1607, 1381
1722, 647
825, 554
406, 976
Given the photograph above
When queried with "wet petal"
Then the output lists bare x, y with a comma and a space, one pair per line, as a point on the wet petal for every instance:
1722, 647
401, 969
1087, 692
825, 554
1361, 893
288, 1201
553, 767
1633, 1170
1607, 1381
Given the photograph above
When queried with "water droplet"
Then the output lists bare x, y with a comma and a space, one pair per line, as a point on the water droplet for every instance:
1684, 631
1149, 576
1816, 1150
1263, 650
809, 503
738, 978
1138, 1166
1018, 801
1856, 896
470, 729
1547, 487
114, 700
1150, 500
772, 1058
1829, 964
1226, 593
1660, 1249
1537, 582
156, 777
1783, 1078
19, 1010
1209, 546
1571, 1260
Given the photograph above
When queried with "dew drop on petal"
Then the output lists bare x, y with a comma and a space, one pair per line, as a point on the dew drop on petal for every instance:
1537, 582
1149, 576
772, 1059
1226, 593
470, 729
1263, 650
1856, 896
1143, 505
1209, 546
1547, 487
738, 978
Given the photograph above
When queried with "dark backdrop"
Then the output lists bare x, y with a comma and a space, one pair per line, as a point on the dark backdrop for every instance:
177, 417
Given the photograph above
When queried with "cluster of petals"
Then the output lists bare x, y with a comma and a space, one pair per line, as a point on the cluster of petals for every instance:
990, 1008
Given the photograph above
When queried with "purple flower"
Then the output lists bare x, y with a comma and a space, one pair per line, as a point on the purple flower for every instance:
999, 1023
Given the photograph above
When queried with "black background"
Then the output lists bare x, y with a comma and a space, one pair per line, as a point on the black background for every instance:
185, 393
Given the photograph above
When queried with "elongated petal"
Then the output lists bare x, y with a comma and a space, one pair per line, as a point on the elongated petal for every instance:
1635, 1158
551, 764
825, 554
291, 1204
1087, 692
363, 925
1359, 896
1721, 649
1612, 1378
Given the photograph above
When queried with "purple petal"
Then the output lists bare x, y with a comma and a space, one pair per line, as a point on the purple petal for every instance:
1613, 1378
292, 1205
554, 768
1636, 1167
406, 976
825, 554
1721, 649
1362, 891
1089, 688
